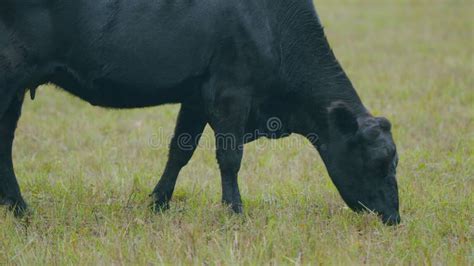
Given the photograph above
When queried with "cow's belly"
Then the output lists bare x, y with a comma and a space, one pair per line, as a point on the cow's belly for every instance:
142, 74
125, 93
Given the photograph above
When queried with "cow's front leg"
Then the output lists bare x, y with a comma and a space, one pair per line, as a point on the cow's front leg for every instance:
229, 157
9, 190
189, 127
229, 122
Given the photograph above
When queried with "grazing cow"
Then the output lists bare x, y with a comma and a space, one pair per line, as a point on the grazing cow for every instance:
233, 64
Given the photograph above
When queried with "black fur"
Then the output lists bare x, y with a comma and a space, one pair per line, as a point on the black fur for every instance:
232, 64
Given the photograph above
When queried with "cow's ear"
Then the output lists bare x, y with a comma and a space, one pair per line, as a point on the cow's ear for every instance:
342, 118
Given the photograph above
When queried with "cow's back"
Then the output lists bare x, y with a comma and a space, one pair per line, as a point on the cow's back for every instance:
135, 48
126, 53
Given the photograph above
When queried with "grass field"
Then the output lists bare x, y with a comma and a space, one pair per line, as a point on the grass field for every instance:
87, 172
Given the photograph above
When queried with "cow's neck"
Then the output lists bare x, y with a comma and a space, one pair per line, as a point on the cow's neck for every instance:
311, 69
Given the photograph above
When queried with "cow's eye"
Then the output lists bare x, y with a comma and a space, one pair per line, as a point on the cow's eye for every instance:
380, 166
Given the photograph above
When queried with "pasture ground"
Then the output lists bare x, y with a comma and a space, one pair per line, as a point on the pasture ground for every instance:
86, 172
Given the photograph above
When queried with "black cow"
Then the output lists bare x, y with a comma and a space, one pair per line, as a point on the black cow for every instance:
232, 64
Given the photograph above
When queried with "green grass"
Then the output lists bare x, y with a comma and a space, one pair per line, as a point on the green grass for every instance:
87, 172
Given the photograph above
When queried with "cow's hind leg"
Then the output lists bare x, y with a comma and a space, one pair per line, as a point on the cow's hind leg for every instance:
189, 127
9, 190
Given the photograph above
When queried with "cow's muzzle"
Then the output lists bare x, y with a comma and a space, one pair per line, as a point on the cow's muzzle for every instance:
391, 219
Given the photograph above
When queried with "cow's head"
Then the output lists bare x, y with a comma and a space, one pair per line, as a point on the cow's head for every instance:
362, 158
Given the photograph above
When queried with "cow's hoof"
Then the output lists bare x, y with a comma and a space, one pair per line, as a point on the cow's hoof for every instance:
20, 210
238, 209
18, 207
159, 205
235, 208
